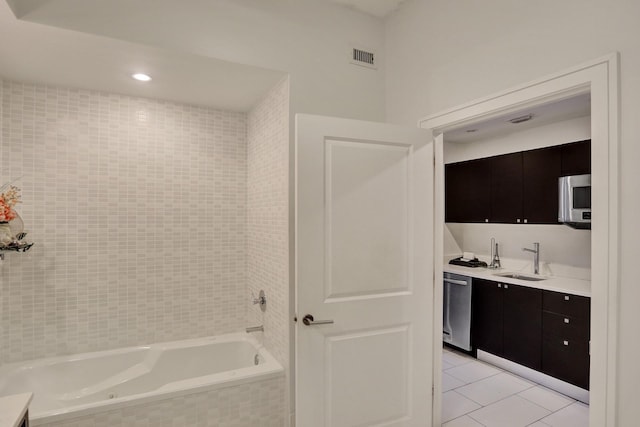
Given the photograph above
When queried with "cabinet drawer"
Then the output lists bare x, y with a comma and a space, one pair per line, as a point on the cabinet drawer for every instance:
563, 326
567, 304
567, 360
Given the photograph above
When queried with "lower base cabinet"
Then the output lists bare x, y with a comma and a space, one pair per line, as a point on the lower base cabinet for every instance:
565, 343
542, 330
507, 321
566, 360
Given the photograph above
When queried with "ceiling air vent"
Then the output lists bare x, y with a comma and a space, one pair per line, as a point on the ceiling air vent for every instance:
363, 57
521, 119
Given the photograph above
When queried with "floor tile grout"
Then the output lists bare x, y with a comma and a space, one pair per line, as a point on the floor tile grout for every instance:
532, 385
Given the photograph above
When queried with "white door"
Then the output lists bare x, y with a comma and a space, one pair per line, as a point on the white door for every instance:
364, 230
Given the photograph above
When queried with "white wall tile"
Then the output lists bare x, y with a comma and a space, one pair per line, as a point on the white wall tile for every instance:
138, 211
257, 404
268, 218
268, 215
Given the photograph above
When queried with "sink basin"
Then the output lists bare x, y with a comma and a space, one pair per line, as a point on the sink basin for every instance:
521, 276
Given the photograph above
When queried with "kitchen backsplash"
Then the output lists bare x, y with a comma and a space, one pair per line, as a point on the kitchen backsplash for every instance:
559, 244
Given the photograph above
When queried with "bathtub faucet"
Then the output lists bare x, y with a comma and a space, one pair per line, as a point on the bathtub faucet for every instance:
255, 329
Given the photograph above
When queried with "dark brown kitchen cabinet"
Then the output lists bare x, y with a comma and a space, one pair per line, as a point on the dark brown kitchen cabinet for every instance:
541, 169
506, 188
576, 158
507, 321
466, 191
566, 330
487, 316
513, 188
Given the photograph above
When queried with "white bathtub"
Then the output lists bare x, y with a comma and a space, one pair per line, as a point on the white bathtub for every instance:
80, 385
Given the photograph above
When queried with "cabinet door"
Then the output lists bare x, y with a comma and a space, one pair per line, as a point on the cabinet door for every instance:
567, 360
506, 188
576, 158
523, 325
467, 188
541, 170
487, 316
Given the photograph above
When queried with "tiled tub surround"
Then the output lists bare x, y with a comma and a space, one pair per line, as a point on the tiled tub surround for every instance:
268, 220
256, 404
138, 211
268, 216
110, 385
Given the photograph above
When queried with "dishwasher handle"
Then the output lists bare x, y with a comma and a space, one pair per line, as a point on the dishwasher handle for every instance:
457, 282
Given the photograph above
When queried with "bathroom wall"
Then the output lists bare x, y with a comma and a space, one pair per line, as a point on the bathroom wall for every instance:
268, 218
138, 211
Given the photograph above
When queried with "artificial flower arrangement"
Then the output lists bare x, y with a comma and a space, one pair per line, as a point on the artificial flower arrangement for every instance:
11, 238
9, 198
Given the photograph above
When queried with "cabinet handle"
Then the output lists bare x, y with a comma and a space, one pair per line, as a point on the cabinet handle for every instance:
518, 220
486, 220
456, 282
566, 320
565, 342
526, 220
566, 297
499, 285
506, 286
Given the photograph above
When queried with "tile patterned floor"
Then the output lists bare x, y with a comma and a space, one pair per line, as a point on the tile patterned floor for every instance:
477, 394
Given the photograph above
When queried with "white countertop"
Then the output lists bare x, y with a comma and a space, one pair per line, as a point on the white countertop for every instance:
13, 408
552, 283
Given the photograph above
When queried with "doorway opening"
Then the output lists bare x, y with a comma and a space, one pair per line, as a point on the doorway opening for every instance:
597, 82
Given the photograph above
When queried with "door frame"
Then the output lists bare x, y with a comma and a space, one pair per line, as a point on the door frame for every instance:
600, 78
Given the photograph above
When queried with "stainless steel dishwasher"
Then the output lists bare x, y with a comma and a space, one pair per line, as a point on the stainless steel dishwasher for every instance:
456, 321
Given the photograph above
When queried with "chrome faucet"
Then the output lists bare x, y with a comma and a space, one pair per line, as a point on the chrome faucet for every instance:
255, 329
495, 258
536, 257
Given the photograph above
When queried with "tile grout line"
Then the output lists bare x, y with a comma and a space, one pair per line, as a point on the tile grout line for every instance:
532, 385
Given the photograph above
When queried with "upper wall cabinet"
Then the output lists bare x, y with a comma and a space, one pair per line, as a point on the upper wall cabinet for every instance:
541, 169
576, 158
467, 191
506, 188
513, 188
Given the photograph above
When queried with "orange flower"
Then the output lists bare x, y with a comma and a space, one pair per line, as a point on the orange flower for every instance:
6, 213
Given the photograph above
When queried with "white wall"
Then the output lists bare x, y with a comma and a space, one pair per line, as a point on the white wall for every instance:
441, 54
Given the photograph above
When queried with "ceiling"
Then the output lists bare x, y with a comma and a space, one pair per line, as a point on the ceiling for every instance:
379, 8
551, 112
187, 47
36, 53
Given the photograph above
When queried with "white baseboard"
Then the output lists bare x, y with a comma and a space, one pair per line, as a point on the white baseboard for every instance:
543, 379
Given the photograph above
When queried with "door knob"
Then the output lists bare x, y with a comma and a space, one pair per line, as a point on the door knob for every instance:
308, 320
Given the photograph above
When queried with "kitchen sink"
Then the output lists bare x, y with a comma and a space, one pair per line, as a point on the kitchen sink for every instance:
521, 276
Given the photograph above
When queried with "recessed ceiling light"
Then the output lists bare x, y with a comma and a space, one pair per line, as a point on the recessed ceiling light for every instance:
141, 77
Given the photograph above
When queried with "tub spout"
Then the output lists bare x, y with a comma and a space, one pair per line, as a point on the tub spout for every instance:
255, 329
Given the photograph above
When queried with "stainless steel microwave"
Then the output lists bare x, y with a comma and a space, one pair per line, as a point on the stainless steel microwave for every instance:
574, 204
